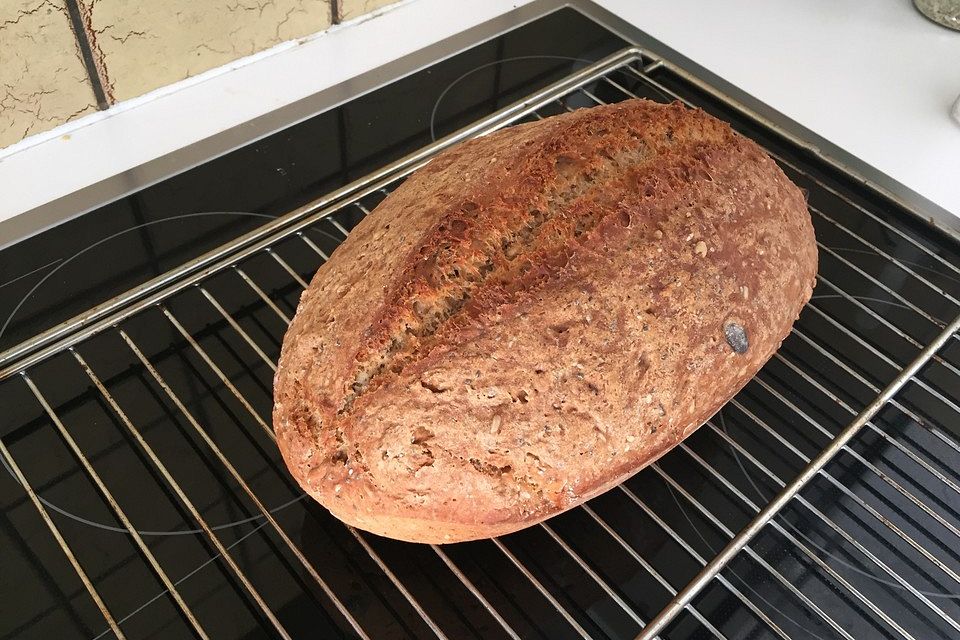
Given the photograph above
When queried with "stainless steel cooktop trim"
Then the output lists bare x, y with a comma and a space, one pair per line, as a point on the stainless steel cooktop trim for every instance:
127, 182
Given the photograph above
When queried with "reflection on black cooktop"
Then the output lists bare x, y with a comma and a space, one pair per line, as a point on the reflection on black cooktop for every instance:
85, 261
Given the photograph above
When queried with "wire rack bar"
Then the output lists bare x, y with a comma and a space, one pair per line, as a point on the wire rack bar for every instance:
55, 532
874, 281
613, 595
860, 501
676, 486
116, 509
903, 267
839, 531
397, 583
883, 434
542, 589
286, 267
313, 245
879, 318
246, 404
175, 486
455, 570
263, 296
663, 581
238, 478
896, 486
703, 578
869, 385
826, 568
217, 370
233, 323
873, 388
686, 546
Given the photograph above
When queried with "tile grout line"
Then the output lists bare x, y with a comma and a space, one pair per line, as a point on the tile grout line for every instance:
97, 82
335, 17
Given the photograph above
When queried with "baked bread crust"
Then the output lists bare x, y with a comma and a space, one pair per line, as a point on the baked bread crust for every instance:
536, 315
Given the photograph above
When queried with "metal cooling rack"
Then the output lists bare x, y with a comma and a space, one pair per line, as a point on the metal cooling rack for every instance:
823, 501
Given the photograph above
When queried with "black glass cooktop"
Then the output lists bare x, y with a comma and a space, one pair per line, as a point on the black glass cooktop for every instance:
870, 551
63, 271
105, 252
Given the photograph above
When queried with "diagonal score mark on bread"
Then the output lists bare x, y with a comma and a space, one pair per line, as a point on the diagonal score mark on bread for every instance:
548, 231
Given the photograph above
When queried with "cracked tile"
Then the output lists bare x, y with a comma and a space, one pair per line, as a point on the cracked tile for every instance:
42, 79
350, 9
141, 46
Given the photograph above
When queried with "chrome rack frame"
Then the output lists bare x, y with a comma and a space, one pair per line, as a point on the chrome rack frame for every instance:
154, 294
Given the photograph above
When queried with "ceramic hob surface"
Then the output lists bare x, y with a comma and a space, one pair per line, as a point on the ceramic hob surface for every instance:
143, 495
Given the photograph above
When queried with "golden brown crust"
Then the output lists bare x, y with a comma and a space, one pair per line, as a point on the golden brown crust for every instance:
535, 316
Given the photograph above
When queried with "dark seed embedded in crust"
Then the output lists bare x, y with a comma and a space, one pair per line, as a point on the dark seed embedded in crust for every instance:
736, 337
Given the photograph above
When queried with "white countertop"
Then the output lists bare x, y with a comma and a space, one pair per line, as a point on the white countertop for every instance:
874, 77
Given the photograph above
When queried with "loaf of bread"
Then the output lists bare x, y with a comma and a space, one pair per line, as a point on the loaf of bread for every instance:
536, 315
